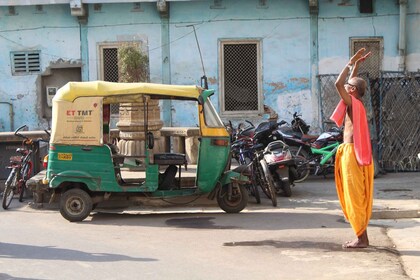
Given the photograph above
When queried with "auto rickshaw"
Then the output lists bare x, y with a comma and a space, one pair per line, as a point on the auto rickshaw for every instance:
83, 170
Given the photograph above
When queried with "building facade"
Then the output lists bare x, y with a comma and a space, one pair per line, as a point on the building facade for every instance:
252, 52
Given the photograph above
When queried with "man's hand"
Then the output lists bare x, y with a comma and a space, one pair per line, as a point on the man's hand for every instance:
359, 56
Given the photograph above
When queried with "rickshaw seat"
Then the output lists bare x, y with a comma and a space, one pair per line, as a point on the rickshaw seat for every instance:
170, 159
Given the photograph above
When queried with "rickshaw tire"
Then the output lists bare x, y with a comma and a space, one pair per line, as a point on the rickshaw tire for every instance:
75, 205
236, 205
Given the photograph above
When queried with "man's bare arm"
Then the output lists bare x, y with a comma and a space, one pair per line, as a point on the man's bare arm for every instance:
341, 80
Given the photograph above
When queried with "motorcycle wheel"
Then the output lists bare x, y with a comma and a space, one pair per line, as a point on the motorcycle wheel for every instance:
234, 202
302, 164
267, 185
9, 189
287, 190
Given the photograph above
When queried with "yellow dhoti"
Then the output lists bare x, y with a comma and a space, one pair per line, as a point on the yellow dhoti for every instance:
354, 187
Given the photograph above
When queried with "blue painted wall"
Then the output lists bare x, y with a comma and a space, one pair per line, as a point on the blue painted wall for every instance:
283, 28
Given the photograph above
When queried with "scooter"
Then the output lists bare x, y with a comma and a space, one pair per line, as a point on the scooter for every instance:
279, 158
282, 166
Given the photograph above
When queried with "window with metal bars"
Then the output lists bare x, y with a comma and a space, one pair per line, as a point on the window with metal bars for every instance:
373, 64
24, 63
240, 77
110, 70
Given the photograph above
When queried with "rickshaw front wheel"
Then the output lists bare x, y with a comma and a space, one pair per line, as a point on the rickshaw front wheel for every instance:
232, 198
75, 205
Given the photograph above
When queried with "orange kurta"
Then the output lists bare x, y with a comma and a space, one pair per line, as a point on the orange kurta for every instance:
354, 185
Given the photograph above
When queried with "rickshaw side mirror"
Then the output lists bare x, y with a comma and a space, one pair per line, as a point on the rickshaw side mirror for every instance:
150, 140
200, 100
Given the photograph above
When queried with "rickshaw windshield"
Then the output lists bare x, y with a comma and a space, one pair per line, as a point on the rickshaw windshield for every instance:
211, 118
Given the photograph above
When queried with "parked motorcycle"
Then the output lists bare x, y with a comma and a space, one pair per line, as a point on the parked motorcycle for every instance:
313, 153
277, 157
282, 165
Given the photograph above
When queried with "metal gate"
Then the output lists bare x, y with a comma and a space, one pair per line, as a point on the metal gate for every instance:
392, 104
399, 120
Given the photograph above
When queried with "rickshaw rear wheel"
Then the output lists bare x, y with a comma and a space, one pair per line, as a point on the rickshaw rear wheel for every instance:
75, 205
232, 198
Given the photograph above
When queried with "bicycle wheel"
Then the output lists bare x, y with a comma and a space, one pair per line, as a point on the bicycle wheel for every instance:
9, 188
253, 190
25, 175
268, 183
303, 168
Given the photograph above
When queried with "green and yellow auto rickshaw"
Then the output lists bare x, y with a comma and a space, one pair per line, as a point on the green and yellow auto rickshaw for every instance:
83, 170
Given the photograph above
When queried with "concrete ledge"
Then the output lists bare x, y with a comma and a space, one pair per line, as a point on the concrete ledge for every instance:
395, 214
180, 131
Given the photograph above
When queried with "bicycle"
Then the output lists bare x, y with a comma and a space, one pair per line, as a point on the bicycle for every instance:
321, 160
21, 168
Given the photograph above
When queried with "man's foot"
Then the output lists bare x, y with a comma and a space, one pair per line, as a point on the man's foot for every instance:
361, 241
357, 243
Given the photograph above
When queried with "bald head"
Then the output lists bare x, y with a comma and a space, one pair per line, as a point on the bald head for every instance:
360, 85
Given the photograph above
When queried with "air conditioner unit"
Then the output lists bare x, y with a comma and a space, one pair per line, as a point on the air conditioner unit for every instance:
51, 91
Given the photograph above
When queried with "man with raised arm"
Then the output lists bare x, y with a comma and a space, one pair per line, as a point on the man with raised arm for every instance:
354, 164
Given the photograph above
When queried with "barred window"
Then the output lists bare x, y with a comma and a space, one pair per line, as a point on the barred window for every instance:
240, 77
373, 64
109, 68
27, 62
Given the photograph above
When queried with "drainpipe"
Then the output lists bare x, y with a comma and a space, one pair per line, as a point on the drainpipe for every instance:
402, 35
163, 8
315, 91
12, 128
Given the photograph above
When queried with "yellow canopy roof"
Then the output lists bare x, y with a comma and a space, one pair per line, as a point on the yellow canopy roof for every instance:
121, 91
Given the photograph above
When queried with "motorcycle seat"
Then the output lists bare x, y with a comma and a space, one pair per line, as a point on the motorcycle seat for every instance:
309, 138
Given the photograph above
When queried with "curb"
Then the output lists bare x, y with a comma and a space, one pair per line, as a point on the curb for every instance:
395, 214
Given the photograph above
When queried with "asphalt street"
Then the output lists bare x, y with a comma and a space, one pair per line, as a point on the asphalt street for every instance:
299, 239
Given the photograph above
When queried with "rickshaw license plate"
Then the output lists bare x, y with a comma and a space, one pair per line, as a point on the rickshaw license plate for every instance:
65, 156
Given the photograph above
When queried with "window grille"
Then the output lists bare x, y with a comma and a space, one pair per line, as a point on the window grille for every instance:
26, 62
240, 77
373, 64
110, 70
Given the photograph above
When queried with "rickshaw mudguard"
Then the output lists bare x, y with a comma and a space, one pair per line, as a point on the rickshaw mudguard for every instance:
75, 176
232, 176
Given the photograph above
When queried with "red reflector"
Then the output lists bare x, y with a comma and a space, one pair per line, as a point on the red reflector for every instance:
45, 162
219, 142
52, 147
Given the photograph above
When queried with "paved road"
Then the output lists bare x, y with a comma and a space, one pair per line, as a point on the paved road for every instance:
300, 239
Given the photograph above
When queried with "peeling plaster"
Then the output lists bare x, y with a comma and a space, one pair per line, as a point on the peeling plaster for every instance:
277, 86
300, 80
20, 96
297, 101
212, 80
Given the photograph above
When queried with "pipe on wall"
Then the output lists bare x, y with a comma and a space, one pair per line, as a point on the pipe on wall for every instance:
12, 128
402, 35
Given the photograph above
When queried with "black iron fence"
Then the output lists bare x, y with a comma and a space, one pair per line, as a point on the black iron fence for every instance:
392, 104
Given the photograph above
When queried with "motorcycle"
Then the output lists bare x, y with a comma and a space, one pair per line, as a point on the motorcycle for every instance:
278, 160
282, 165
313, 153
